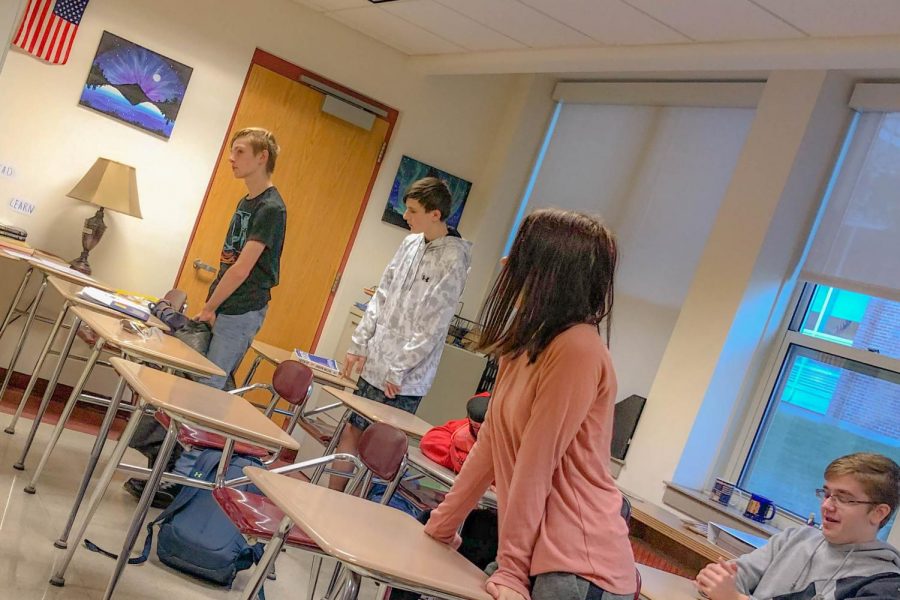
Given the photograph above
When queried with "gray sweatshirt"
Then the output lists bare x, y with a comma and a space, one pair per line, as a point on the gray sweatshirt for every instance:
406, 321
800, 564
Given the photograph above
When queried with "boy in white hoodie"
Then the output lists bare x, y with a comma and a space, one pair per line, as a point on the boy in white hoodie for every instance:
397, 346
842, 561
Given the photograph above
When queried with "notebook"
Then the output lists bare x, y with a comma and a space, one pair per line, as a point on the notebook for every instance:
328, 365
115, 302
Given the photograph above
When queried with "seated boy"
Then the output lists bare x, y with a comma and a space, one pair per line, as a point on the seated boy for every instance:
449, 444
842, 561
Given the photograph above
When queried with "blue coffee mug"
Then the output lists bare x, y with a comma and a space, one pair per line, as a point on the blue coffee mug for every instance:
760, 508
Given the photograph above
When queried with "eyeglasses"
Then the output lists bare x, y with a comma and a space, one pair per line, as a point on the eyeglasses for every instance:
840, 500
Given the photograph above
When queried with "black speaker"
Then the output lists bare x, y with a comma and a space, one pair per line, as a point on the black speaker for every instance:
627, 414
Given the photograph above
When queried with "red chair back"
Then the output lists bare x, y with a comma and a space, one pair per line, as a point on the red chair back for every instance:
292, 380
382, 449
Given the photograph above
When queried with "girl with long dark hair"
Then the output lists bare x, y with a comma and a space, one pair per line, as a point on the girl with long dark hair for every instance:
546, 440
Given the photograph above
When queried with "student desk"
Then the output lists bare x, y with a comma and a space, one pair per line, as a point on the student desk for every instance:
47, 267
165, 350
372, 540
667, 534
659, 585
442, 474
276, 356
410, 424
70, 294
185, 402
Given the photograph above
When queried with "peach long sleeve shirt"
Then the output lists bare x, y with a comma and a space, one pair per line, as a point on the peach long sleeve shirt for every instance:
546, 444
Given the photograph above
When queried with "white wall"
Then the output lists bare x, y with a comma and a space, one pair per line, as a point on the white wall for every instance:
460, 124
736, 300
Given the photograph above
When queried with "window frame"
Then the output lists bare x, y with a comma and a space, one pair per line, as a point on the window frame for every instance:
761, 399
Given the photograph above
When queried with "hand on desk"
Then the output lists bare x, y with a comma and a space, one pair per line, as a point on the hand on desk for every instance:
717, 581
206, 316
352, 362
501, 592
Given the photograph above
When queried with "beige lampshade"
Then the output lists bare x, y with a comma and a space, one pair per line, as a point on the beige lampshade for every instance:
109, 184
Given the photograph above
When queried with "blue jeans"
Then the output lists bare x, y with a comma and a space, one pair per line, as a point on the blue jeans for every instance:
231, 338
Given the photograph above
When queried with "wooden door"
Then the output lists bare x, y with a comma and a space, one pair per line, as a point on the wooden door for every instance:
324, 173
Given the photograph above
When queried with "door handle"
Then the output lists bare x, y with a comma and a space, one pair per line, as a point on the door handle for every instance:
199, 265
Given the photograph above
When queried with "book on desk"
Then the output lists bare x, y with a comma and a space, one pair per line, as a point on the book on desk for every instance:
115, 302
329, 365
733, 540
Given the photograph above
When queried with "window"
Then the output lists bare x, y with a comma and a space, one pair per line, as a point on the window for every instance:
837, 391
835, 385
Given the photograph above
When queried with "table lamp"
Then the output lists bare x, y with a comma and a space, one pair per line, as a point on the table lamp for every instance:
107, 184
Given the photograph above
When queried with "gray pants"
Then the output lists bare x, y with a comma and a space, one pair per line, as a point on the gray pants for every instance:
565, 586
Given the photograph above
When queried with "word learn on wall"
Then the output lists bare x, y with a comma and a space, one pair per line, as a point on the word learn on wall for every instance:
21, 206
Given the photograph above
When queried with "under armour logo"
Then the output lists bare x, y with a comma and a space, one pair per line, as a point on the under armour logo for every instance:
426, 279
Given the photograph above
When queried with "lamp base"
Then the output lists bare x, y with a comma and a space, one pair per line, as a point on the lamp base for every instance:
90, 237
80, 264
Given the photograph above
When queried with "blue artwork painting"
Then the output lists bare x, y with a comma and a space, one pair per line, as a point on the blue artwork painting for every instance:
136, 85
411, 170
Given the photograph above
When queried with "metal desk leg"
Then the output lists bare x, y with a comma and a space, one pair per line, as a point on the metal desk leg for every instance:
273, 548
317, 474
66, 413
140, 512
347, 587
48, 393
37, 369
59, 575
18, 349
99, 442
252, 371
15, 302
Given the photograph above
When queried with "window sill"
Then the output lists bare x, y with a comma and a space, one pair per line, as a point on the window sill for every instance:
698, 506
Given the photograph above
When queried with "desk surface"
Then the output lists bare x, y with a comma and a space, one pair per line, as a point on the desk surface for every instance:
441, 473
51, 266
204, 406
671, 526
659, 585
69, 291
168, 350
371, 537
279, 355
408, 423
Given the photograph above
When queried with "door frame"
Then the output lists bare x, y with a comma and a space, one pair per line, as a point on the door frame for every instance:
293, 72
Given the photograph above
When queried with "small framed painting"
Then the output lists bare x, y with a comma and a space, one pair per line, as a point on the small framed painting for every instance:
135, 85
411, 170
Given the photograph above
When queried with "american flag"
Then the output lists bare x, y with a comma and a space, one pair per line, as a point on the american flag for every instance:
48, 34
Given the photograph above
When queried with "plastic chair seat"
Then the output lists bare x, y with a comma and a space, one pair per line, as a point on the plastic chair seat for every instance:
188, 436
256, 516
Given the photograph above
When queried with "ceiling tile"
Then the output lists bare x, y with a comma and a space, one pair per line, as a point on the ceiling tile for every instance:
327, 5
393, 31
718, 20
520, 22
839, 18
608, 21
451, 25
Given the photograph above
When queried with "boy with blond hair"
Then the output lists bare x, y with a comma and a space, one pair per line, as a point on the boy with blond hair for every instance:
251, 255
844, 560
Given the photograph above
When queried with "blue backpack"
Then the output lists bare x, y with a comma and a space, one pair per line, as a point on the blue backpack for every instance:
195, 536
